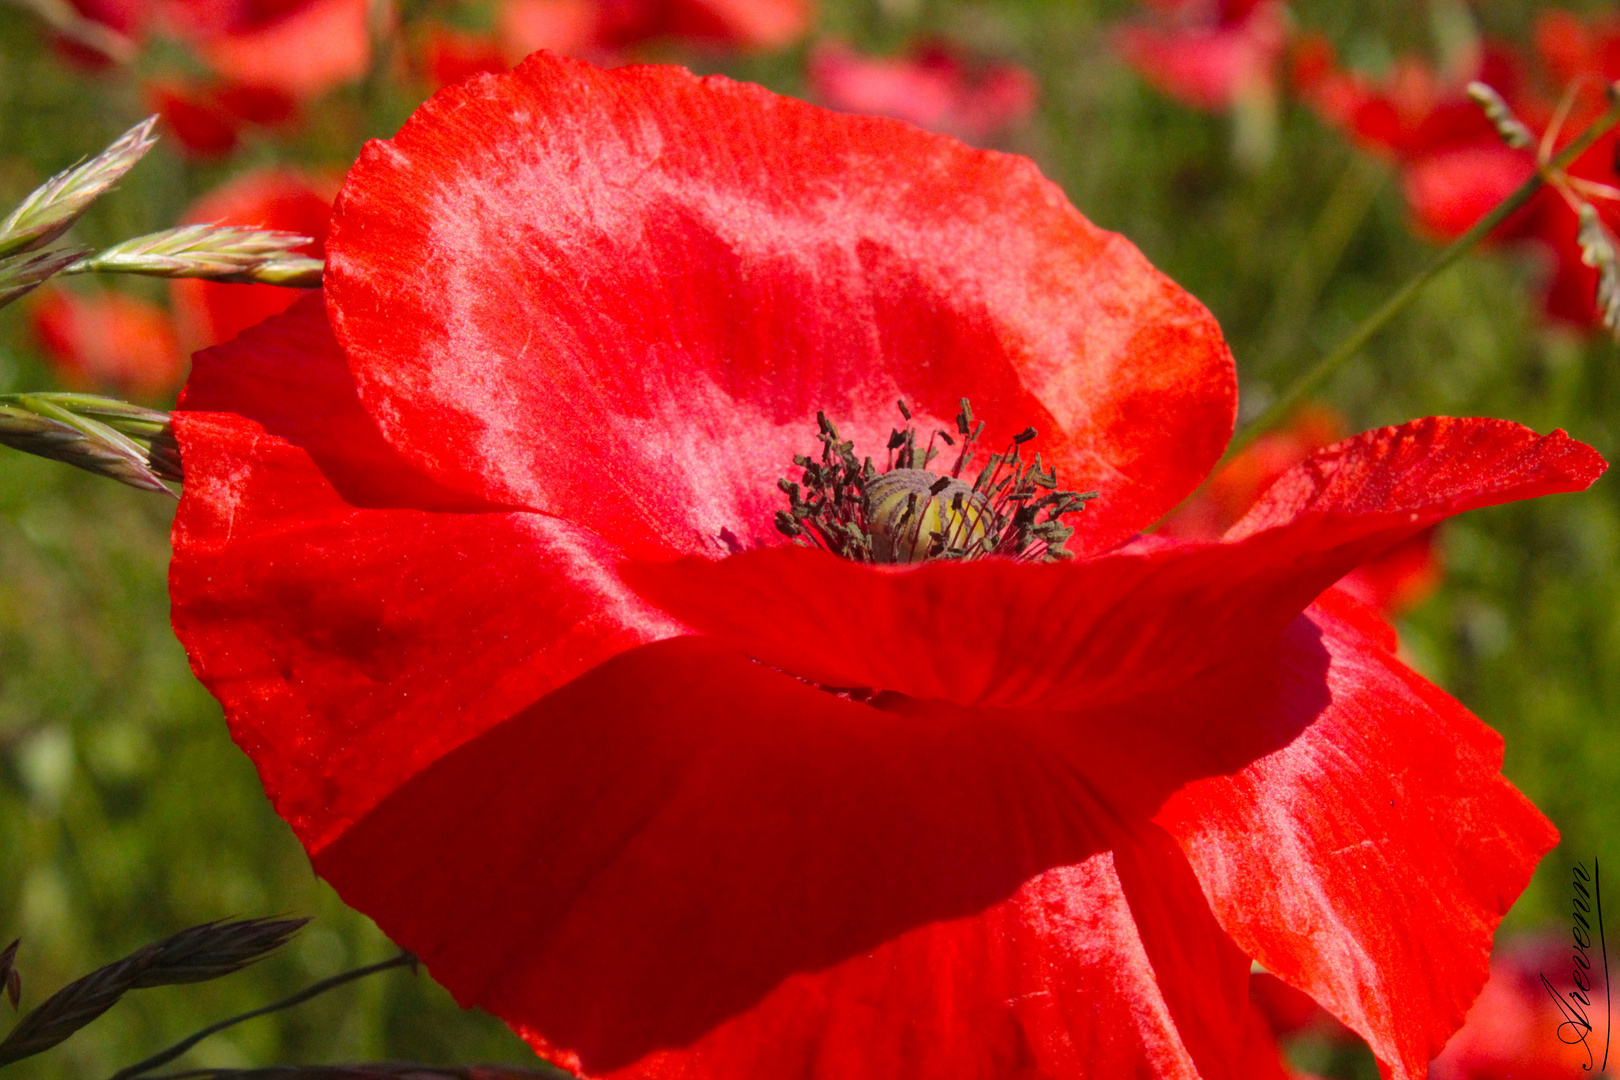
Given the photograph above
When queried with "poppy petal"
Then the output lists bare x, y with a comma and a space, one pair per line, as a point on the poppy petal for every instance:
677, 273
1075, 635
332, 680
1369, 861
1424, 471
685, 867
1202, 975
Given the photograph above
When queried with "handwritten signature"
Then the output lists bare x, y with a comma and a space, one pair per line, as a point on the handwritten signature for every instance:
1576, 1006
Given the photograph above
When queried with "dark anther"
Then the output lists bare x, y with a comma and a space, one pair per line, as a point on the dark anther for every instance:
908, 513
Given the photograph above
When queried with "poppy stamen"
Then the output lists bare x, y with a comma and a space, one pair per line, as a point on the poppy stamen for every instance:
908, 513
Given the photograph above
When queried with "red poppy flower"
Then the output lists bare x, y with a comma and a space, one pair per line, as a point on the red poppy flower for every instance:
107, 340
1454, 166
1392, 582
1580, 58
264, 58
448, 56
601, 30
1209, 54
935, 87
301, 48
208, 118
736, 24
481, 558
209, 312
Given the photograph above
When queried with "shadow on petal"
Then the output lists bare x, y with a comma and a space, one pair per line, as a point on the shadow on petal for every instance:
657, 847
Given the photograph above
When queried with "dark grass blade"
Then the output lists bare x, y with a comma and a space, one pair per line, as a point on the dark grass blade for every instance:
22, 273
46, 437
9, 975
195, 954
163, 1057
124, 442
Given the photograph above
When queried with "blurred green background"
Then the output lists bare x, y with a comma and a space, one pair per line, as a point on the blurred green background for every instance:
126, 813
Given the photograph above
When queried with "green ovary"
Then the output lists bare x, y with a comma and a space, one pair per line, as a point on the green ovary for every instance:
910, 522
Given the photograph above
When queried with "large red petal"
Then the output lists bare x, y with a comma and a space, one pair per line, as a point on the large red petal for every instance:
622, 296
351, 646
1075, 635
687, 865
1369, 860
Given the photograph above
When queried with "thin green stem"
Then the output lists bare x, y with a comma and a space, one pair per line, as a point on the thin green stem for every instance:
1347, 349
1301, 286
163, 1057
379, 97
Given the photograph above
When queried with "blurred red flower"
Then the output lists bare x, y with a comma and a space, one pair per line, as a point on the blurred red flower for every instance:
1392, 582
601, 30
107, 341
1513, 1029
264, 58
1454, 166
209, 312
934, 86
447, 56
481, 557
207, 119
1208, 54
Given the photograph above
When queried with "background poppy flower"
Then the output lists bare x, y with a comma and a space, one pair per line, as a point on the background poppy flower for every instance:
1454, 166
448, 56
452, 553
1209, 54
1514, 1030
207, 118
263, 59
301, 48
107, 341
209, 312
602, 30
735, 24
934, 86
1392, 582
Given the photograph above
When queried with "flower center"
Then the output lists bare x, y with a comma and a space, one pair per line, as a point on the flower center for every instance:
908, 513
